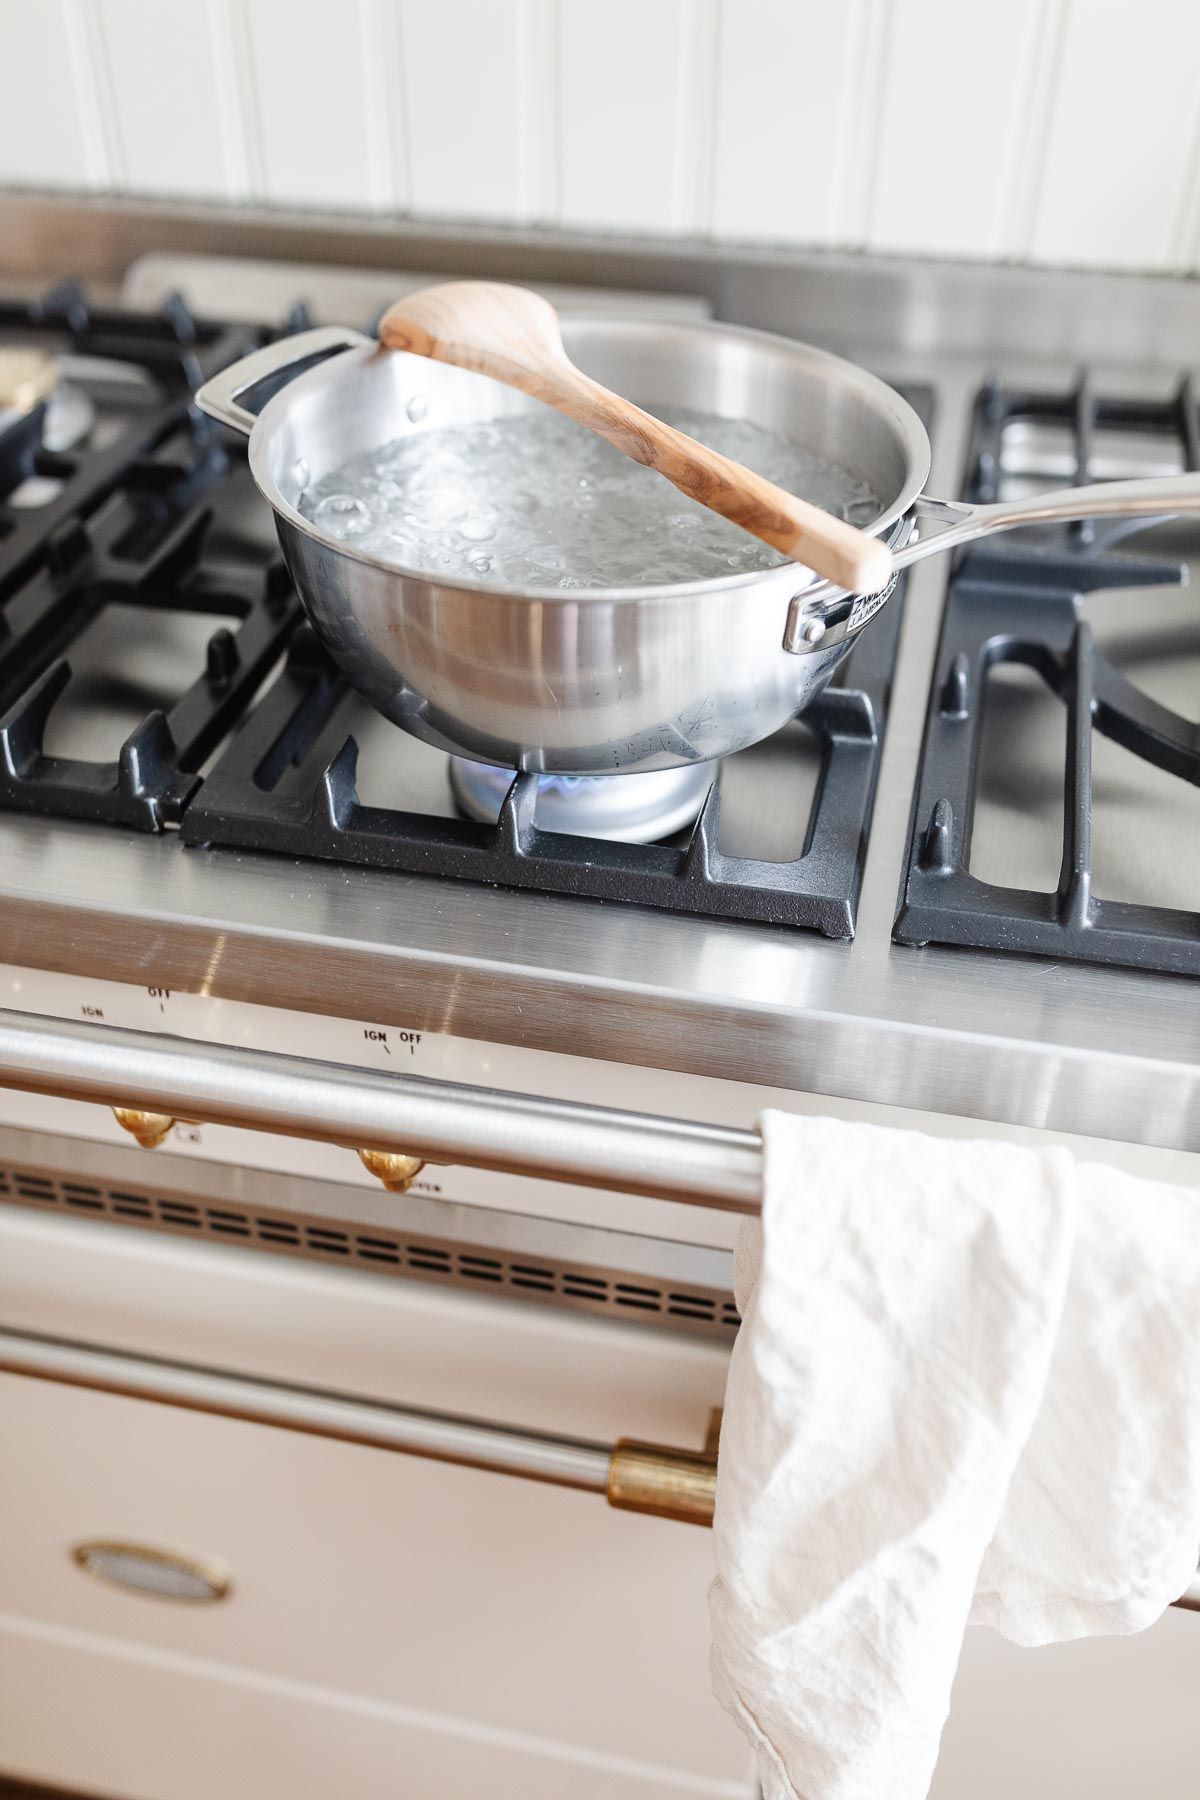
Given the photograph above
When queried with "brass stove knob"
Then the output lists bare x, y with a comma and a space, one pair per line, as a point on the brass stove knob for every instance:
396, 1171
149, 1128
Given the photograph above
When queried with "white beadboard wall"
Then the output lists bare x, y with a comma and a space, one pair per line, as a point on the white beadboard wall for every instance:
1056, 131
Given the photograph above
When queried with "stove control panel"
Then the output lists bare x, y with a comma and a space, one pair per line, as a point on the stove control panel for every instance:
380, 1046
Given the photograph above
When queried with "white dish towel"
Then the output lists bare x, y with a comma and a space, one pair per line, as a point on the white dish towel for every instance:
966, 1388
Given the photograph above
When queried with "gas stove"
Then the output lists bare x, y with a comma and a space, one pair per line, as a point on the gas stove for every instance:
157, 674
205, 833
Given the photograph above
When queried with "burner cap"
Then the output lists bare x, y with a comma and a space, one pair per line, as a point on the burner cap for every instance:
27, 376
632, 809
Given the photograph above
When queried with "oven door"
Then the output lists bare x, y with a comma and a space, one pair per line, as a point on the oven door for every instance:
196, 1604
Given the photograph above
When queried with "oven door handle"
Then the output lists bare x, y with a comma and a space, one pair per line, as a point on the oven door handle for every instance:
412, 1116
633, 1476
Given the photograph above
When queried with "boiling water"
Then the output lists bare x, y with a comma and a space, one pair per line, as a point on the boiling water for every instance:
541, 502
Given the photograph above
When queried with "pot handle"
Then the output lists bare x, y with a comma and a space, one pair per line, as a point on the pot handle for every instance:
280, 362
822, 615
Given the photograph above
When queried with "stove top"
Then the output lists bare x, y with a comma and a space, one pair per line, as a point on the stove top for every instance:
145, 604
1015, 1024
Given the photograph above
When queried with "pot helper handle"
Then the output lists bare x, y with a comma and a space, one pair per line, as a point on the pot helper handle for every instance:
272, 368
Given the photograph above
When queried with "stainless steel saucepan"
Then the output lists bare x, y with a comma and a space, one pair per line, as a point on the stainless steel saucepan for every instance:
602, 680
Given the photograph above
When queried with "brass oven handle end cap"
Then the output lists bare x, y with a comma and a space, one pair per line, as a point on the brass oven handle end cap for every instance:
670, 1484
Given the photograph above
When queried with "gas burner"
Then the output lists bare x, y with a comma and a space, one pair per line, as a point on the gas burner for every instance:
27, 378
631, 809
1056, 601
134, 374
31, 380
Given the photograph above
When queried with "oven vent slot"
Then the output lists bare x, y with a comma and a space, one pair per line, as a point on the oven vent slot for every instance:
608, 1292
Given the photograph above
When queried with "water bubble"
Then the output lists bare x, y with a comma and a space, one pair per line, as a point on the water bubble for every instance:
478, 527
342, 515
301, 473
417, 408
482, 565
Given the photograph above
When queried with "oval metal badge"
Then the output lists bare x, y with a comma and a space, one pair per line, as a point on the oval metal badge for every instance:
162, 1574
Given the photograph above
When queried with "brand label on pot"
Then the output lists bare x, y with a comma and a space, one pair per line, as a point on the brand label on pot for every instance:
867, 605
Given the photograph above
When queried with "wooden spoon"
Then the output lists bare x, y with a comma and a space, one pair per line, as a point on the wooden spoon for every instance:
513, 336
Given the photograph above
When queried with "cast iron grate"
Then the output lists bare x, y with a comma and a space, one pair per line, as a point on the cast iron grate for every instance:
238, 806
1025, 440
174, 350
1022, 604
126, 522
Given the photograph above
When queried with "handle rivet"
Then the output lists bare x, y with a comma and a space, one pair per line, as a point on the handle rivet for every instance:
812, 633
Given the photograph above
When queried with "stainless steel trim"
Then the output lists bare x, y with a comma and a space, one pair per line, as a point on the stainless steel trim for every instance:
440, 1437
1110, 1053
837, 297
667, 1159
